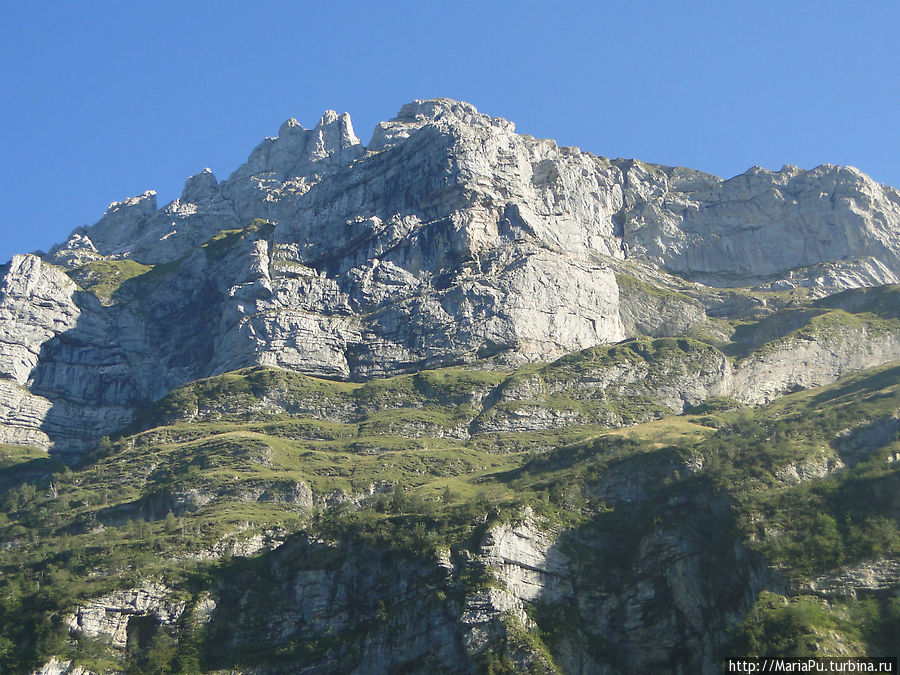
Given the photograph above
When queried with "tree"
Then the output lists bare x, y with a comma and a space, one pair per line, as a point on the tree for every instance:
161, 653
398, 499
104, 447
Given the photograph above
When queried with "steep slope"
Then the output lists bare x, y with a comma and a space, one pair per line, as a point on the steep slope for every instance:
276, 523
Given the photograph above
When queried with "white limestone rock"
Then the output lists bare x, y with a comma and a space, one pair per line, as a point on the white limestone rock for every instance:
442, 159
36, 304
865, 577
818, 466
56, 667
77, 250
804, 361
764, 224
22, 416
107, 617
122, 224
527, 561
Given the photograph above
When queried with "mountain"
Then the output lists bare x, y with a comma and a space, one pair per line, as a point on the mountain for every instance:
459, 399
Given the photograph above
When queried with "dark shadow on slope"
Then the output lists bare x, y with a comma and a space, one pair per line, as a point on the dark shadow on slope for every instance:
314, 607
882, 301
34, 471
606, 446
861, 443
748, 337
659, 578
658, 572
860, 387
158, 330
119, 358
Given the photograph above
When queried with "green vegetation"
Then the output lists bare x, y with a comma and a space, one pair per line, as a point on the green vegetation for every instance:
21, 463
810, 626
221, 243
632, 286
104, 277
421, 466
635, 350
14, 455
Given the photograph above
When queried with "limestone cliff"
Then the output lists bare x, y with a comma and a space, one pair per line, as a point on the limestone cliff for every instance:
447, 239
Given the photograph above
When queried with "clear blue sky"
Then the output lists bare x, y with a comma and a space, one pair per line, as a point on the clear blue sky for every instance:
104, 100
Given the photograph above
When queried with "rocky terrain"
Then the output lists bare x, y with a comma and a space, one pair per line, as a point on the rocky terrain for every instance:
459, 400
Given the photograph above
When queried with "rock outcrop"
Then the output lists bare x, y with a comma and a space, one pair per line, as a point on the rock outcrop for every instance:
762, 226
866, 577
56, 667
115, 617
385, 611
804, 361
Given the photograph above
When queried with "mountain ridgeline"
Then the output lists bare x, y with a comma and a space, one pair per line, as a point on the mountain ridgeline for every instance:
459, 400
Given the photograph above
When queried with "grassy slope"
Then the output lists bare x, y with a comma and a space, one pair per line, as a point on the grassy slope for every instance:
104, 277
73, 534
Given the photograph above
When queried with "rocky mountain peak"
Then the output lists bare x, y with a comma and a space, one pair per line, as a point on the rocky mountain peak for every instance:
328, 117
288, 125
199, 187
335, 133
297, 152
491, 186
437, 108
442, 113
123, 224
144, 203
450, 238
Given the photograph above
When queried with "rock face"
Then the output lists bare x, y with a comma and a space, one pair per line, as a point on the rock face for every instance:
447, 239
57, 667
761, 225
648, 609
386, 605
800, 362
36, 305
868, 576
116, 617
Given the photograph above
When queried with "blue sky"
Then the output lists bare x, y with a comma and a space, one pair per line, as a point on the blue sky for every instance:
104, 100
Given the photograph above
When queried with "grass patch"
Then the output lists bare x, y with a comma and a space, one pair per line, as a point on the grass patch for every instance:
221, 243
104, 277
